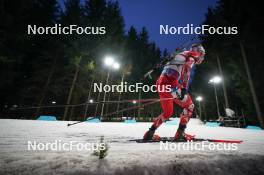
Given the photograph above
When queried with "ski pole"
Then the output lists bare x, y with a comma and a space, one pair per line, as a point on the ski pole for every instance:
70, 124
82, 104
126, 109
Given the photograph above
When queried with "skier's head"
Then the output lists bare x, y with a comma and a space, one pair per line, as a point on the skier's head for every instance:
201, 52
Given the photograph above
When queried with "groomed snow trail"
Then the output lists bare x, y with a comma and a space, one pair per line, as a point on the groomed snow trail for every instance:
124, 157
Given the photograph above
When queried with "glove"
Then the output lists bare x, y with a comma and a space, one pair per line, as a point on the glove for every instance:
178, 93
183, 93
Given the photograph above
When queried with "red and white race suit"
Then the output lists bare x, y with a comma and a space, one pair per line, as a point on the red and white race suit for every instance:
176, 73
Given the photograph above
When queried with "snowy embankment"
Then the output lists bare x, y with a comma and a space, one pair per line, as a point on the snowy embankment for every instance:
124, 157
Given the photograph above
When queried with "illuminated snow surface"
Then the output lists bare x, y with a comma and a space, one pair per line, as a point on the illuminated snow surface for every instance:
124, 157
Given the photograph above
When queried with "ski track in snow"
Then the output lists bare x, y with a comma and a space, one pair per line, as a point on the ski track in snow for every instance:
124, 157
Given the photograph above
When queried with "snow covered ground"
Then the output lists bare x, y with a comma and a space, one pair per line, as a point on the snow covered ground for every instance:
124, 157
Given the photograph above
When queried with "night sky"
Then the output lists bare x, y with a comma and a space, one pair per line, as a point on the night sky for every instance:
152, 13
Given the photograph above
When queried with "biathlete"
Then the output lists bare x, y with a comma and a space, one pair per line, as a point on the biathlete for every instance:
176, 73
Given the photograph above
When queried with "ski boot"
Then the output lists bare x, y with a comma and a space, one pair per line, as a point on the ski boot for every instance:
181, 135
149, 134
189, 137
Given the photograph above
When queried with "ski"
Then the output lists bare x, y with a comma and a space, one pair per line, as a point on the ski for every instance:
171, 139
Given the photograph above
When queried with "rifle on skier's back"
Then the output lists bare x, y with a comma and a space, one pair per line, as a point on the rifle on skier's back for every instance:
164, 61
167, 58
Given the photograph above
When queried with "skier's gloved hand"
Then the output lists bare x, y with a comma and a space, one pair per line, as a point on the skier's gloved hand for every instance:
176, 92
179, 93
183, 93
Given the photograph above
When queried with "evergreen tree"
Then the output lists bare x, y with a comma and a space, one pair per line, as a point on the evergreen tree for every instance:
246, 16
